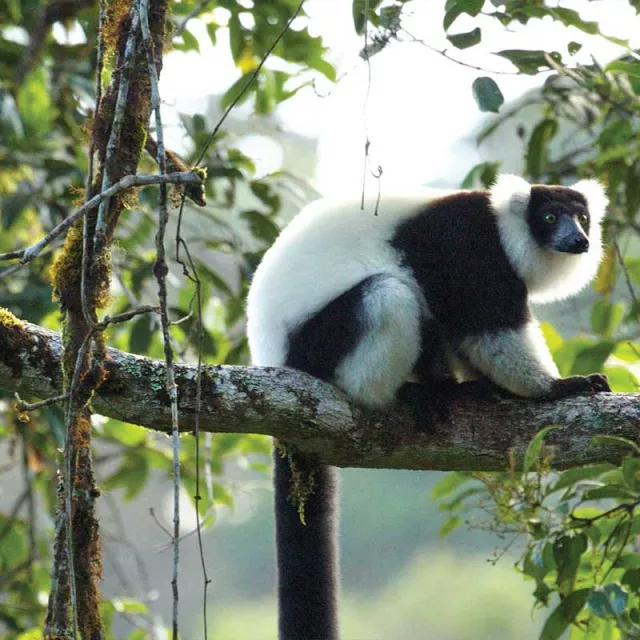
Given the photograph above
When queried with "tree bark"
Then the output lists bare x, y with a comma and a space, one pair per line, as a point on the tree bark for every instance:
320, 419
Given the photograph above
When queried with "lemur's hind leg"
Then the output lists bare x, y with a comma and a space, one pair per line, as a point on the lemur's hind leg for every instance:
389, 347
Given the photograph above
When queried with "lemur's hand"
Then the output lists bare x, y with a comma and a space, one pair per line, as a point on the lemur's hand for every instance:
599, 382
574, 385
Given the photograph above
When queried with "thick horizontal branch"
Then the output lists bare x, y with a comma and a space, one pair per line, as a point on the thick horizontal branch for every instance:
317, 417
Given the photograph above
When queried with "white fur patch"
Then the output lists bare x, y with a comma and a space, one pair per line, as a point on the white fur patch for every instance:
596, 197
510, 195
515, 359
385, 356
548, 275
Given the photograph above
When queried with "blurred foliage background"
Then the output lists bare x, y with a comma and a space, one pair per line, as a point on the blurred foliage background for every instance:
400, 580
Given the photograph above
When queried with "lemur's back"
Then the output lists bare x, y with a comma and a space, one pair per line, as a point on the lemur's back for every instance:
326, 250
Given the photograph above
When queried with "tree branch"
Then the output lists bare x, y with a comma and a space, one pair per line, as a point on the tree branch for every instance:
317, 417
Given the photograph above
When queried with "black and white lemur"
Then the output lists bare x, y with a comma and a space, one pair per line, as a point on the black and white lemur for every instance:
431, 284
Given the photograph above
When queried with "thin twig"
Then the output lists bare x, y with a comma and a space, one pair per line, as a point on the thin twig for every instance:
623, 266
100, 235
89, 315
25, 407
32, 252
376, 174
27, 475
197, 10
160, 271
445, 54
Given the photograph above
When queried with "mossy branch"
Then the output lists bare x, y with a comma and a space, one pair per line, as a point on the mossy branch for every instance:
317, 417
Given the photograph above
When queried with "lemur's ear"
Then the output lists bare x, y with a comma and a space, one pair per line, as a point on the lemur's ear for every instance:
596, 197
510, 195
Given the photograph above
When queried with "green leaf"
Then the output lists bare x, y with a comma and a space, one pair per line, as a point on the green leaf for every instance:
592, 358
616, 132
631, 578
449, 483
564, 614
627, 351
538, 147
573, 48
236, 89
529, 61
570, 477
622, 380
212, 31
632, 267
131, 476
606, 316
34, 103
485, 172
617, 492
487, 95
472, 7
631, 69
571, 18
449, 525
567, 551
538, 561
189, 42
141, 335
632, 191
12, 206
616, 440
630, 469
261, 226
457, 8
532, 456
450, 16
551, 337
358, 10
608, 600
465, 40
130, 435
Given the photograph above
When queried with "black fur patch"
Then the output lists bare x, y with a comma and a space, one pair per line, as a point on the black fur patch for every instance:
560, 201
324, 340
307, 554
453, 247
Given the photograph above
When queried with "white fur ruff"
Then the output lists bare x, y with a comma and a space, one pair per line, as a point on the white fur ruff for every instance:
548, 275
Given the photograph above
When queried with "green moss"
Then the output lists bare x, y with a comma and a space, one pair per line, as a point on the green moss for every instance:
303, 482
66, 274
7, 319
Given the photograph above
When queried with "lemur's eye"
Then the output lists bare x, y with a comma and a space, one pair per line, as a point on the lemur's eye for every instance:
550, 218
583, 218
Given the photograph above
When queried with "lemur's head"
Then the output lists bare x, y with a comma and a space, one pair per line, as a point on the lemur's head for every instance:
551, 234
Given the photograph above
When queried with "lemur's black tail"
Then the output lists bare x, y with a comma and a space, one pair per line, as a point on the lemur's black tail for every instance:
307, 554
